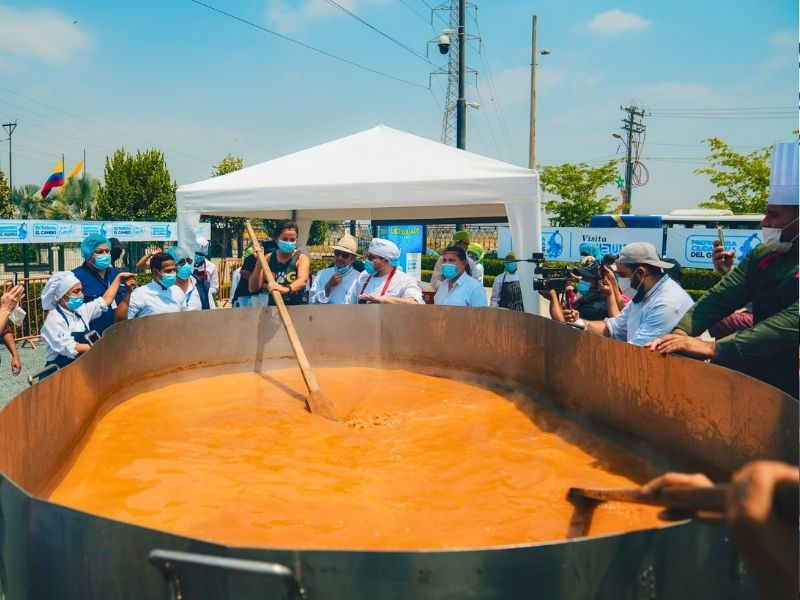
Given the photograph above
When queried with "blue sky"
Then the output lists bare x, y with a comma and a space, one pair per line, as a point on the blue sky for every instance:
198, 85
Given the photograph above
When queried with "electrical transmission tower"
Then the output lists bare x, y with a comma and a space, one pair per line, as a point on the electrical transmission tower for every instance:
453, 13
636, 173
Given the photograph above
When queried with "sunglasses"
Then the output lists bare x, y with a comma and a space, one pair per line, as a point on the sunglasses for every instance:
340, 254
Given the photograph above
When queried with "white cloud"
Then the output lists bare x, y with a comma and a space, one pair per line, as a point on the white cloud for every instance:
784, 40
616, 21
40, 34
287, 16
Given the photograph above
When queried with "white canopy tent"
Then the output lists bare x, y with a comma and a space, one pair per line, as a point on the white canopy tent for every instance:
378, 174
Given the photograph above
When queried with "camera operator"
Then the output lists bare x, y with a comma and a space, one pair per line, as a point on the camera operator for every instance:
596, 299
657, 305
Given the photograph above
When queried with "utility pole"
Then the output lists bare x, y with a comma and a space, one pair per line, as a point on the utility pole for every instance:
461, 106
532, 138
634, 128
10, 127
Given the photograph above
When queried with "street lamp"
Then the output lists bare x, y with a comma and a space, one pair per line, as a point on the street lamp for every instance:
534, 62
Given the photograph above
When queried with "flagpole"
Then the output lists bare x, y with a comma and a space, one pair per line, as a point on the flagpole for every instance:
84, 163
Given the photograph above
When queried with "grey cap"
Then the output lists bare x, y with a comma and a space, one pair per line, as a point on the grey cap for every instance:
641, 253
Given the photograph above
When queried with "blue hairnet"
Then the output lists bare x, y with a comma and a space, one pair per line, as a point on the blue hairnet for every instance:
177, 253
591, 249
91, 242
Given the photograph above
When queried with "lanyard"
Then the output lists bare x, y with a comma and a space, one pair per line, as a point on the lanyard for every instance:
385, 285
80, 318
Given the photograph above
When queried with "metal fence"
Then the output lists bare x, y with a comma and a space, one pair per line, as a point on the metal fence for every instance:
439, 237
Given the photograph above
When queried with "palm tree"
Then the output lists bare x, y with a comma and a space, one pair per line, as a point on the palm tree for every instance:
76, 201
27, 202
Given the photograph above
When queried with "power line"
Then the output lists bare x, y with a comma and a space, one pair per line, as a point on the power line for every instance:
408, 6
308, 46
726, 109
735, 118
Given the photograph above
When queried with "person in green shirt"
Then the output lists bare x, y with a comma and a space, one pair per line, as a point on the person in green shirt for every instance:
767, 277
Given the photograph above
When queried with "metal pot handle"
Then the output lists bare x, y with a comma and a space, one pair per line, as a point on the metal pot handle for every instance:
89, 335
33, 378
169, 563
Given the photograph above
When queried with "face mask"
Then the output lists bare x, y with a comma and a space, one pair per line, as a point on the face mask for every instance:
369, 267
168, 279
185, 271
199, 259
510, 267
102, 262
625, 286
772, 239
344, 270
449, 270
394, 262
584, 288
74, 302
287, 247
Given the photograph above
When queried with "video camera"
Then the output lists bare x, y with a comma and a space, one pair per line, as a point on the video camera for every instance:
549, 278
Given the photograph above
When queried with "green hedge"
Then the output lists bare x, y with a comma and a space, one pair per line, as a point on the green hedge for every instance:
696, 294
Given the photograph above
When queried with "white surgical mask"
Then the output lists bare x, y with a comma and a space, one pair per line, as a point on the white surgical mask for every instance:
625, 286
772, 239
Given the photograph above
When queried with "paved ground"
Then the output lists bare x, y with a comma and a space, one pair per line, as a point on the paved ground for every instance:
32, 361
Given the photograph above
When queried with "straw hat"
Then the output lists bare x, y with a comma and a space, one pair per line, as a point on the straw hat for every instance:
347, 243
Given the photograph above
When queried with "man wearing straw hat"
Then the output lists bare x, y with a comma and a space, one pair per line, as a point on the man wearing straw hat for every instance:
332, 284
767, 277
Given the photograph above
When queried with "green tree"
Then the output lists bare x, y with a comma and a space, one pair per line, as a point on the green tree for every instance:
6, 208
27, 203
225, 229
742, 179
77, 200
137, 187
577, 185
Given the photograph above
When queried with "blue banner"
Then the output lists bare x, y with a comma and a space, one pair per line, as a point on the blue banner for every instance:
411, 242
54, 232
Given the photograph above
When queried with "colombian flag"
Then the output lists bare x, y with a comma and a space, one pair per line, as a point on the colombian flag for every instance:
55, 180
75, 171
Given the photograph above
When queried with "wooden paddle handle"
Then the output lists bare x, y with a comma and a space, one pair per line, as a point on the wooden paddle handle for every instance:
708, 499
316, 401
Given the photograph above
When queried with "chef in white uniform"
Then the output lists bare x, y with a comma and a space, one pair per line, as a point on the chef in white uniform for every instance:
203, 267
161, 295
197, 295
382, 282
332, 284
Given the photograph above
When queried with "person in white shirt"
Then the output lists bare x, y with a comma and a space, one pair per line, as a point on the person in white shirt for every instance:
656, 307
461, 239
203, 267
332, 284
459, 288
506, 292
197, 295
67, 323
159, 296
382, 282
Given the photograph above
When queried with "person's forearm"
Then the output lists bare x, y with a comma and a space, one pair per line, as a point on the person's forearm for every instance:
613, 308
121, 312
396, 300
4, 316
8, 340
111, 292
254, 282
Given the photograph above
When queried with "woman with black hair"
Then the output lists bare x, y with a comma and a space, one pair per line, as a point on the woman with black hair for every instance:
289, 266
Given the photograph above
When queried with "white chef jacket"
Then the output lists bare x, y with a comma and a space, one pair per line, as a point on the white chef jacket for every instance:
402, 285
213, 275
60, 325
192, 299
151, 299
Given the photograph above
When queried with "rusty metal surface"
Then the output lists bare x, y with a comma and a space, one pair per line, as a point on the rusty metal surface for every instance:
696, 414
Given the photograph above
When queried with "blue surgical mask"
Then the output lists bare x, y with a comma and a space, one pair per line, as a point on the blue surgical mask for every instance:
168, 279
102, 262
287, 247
199, 259
584, 288
74, 302
449, 270
369, 267
185, 271
344, 270
395, 262
510, 267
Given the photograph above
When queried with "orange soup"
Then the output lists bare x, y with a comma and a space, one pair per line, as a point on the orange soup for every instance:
418, 462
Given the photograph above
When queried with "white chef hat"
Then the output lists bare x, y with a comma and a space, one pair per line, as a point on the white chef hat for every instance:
59, 284
384, 249
783, 181
201, 245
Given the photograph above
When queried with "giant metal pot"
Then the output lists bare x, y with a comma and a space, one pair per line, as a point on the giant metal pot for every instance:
696, 415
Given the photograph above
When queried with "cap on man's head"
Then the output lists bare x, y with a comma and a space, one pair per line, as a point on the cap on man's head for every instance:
461, 236
201, 245
384, 249
783, 179
347, 243
641, 253
511, 256
676, 272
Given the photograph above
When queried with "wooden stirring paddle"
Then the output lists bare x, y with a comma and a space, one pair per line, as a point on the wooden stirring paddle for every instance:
316, 401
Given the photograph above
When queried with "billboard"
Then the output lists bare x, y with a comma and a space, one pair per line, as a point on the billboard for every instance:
42, 231
411, 241
693, 247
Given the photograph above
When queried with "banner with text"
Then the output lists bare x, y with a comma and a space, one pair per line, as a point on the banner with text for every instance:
410, 240
693, 247
563, 243
54, 232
